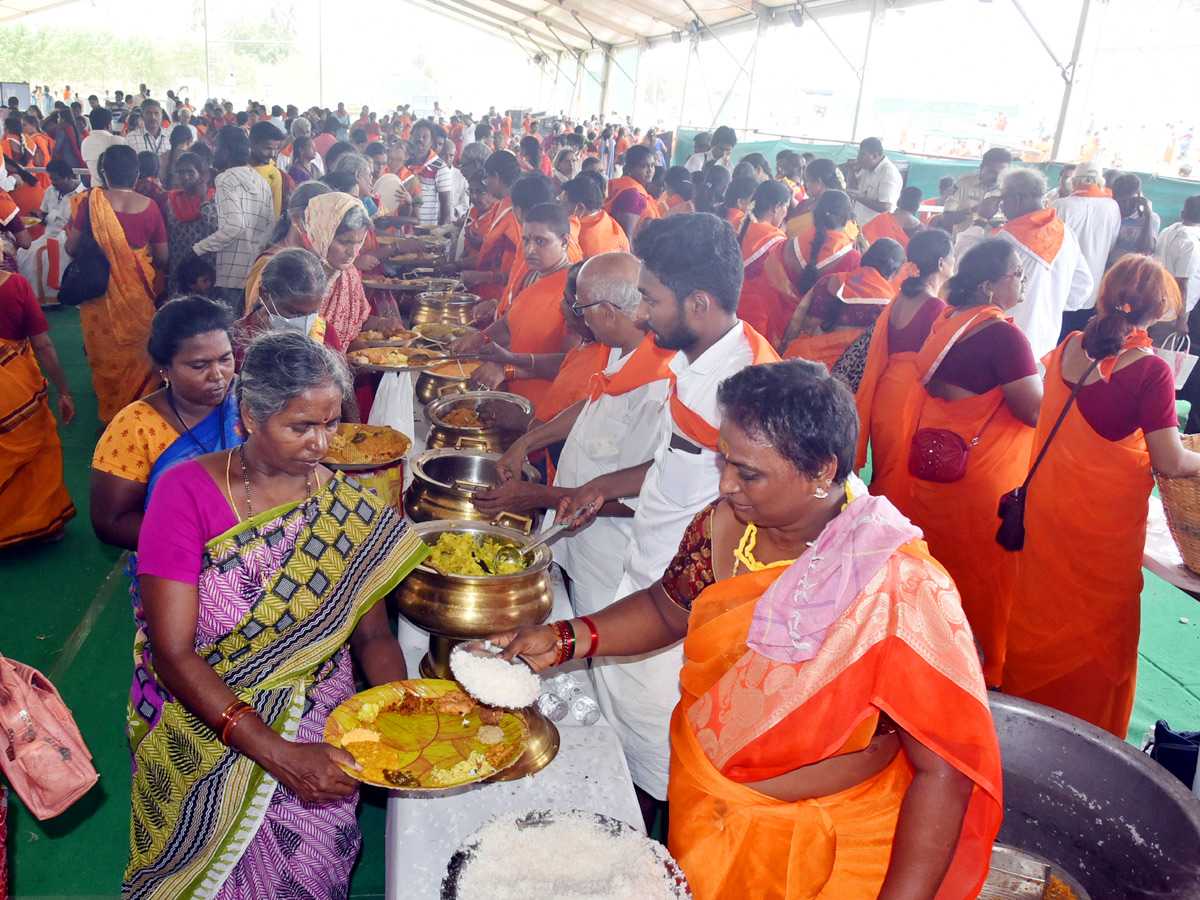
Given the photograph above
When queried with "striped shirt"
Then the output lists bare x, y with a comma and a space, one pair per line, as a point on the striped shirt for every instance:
435, 178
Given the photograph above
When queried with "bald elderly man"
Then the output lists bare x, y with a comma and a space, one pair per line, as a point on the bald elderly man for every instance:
618, 426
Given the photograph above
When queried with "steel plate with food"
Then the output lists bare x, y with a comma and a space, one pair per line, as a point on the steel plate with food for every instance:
562, 853
414, 259
442, 332
366, 446
386, 282
378, 337
425, 734
392, 359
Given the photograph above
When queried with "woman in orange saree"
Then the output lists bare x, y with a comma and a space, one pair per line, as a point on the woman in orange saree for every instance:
131, 232
977, 379
792, 267
840, 308
761, 235
833, 740
1075, 620
884, 395
34, 504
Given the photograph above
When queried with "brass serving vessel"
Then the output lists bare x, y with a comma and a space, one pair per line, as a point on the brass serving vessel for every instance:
451, 307
444, 483
457, 608
493, 438
431, 385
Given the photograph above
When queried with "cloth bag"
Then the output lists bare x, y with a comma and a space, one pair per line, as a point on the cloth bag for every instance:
1176, 350
42, 753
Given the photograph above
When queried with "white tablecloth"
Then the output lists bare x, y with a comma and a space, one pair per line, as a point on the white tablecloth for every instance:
588, 773
1161, 556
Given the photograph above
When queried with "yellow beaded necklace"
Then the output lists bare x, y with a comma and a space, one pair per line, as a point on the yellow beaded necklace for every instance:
745, 548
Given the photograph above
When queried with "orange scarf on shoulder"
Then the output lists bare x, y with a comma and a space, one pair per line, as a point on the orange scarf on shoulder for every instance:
698, 429
1092, 190
1040, 232
648, 362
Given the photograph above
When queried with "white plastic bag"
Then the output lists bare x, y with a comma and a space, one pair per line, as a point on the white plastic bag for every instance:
1175, 350
393, 404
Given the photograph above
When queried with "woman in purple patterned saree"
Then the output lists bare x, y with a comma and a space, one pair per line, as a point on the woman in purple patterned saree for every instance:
261, 575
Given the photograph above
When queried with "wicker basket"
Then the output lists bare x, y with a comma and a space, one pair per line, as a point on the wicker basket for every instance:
1181, 502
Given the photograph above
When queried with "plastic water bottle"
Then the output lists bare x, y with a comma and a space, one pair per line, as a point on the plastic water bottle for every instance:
552, 706
585, 710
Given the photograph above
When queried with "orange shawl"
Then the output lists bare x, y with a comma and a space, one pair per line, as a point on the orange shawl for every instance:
600, 233
1040, 232
732, 841
760, 238
648, 362
1073, 631
34, 503
536, 325
695, 426
618, 186
863, 285
571, 384
885, 225
501, 243
116, 326
1092, 190
959, 518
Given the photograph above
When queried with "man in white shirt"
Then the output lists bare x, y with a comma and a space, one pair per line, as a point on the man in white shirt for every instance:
1095, 219
690, 281
617, 427
432, 173
724, 139
56, 204
99, 139
183, 119
879, 182
244, 215
154, 136
1057, 277
169, 105
459, 202
970, 190
1179, 250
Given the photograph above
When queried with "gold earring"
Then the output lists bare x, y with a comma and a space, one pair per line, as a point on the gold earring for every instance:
989, 295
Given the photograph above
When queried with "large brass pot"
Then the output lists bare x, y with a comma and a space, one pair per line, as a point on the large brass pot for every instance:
444, 483
505, 413
451, 307
431, 385
454, 608
470, 607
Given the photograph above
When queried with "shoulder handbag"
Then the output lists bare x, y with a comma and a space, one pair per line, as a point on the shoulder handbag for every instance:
42, 753
86, 275
939, 454
1011, 534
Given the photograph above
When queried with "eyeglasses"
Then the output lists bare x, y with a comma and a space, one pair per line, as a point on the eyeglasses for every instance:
1020, 273
580, 307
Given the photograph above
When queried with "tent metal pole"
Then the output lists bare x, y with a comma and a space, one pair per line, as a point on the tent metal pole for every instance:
321, 50
1069, 79
758, 36
637, 76
606, 80
207, 63
862, 73
687, 71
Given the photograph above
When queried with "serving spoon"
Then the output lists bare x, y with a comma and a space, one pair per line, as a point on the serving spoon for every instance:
517, 555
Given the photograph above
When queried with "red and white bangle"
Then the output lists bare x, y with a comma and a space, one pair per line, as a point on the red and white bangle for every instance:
565, 641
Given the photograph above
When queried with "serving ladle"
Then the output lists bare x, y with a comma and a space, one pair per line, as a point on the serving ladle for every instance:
516, 556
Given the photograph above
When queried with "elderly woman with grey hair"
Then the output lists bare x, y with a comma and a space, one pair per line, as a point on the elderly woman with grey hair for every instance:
262, 576
286, 232
1052, 266
616, 426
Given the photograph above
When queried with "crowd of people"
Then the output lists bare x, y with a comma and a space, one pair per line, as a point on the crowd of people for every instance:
714, 353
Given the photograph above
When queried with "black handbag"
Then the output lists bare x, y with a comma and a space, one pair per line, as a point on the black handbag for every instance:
1175, 751
86, 275
1011, 534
